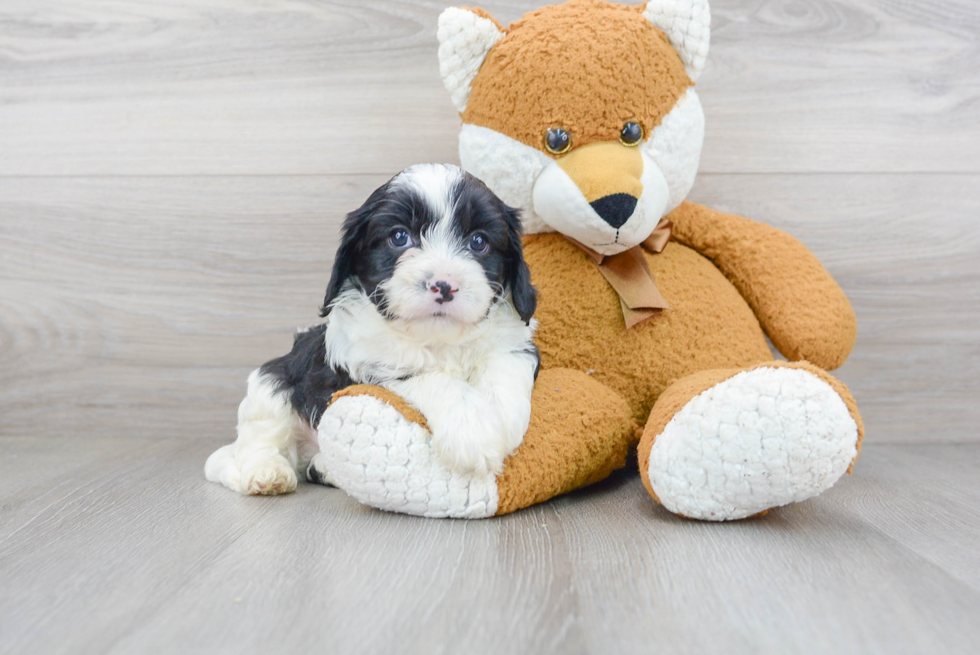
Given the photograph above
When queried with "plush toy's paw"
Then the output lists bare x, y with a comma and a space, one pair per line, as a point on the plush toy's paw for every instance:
724, 445
385, 460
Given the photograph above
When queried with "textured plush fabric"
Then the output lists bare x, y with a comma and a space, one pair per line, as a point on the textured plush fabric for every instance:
687, 24
580, 432
385, 396
531, 80
800, 306
465, 36
483, 13
378, 456
709, 325
602, 169
759, 420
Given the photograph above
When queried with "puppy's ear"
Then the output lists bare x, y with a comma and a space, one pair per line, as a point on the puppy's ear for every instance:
522, 292
351, 239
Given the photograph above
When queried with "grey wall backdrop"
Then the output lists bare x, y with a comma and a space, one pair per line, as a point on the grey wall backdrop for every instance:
172, 176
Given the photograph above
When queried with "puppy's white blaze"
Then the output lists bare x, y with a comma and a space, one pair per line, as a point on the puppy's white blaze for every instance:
513, 170
441, 254
435, 183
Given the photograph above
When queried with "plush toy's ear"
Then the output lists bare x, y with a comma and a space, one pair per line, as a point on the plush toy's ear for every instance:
687, 24
465, 37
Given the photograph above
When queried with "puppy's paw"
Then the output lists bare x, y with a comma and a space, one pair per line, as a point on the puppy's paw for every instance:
470, 442
222, 468
385, 460
269, 477
317, 471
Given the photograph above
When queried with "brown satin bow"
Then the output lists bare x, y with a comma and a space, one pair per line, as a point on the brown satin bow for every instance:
630, 276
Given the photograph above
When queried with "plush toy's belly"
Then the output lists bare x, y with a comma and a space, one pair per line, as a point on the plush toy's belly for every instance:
581, 326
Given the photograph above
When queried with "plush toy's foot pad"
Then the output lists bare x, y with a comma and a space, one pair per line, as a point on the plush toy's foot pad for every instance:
757, 439
372, 451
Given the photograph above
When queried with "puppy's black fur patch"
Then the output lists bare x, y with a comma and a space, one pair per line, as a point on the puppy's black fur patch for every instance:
304, 372
313, 475
534, 352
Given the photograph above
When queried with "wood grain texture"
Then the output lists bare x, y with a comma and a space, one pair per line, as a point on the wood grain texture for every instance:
244, 86
137, 306
134, 552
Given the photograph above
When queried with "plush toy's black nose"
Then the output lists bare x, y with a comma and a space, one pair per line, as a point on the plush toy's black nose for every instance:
615, 209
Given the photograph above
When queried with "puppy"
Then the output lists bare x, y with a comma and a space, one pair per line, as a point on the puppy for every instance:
430, 298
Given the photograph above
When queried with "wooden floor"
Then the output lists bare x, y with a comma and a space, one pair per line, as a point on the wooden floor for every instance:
172, 176
117, 545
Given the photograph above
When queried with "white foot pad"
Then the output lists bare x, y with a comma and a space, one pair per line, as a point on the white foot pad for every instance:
384, 460
761, 439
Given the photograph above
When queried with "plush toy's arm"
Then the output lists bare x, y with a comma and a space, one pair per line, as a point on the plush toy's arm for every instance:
800, 306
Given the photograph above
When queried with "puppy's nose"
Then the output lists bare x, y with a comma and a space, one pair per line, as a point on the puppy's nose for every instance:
445, 288
615, 209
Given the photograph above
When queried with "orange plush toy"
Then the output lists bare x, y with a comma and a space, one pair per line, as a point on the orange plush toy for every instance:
653, 311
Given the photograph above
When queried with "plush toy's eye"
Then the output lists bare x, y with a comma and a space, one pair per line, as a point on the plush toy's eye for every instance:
479, 244
631, 135
400, 238
557, 141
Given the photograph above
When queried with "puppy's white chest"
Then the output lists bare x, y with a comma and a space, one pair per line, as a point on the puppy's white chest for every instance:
455, 362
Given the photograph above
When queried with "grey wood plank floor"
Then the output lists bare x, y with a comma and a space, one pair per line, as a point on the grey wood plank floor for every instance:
116, 545
172, 175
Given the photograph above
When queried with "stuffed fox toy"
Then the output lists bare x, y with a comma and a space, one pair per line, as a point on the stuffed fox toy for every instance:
653, 312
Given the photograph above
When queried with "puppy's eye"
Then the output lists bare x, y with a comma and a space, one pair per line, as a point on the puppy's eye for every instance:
631, 135
479, 244
557, 141
400, 239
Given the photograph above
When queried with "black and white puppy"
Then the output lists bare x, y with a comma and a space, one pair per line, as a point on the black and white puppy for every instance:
429, 297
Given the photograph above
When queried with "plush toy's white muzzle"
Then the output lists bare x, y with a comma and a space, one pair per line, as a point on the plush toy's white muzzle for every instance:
612, 222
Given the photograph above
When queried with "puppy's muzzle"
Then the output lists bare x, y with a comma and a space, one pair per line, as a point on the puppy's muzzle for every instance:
445, 289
